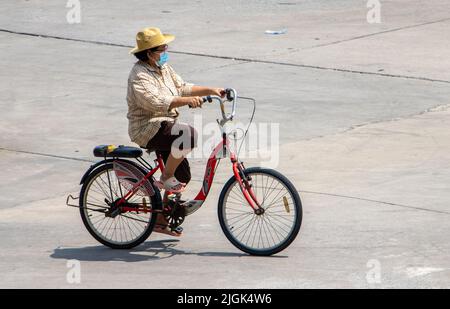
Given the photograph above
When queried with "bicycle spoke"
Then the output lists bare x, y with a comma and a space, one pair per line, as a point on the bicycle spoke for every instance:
99, 206
124, 228
239, 210
265, 231
239, 217
279, 204
250, 230
283, 221
276, 196
132, 232
269, 191
277, 233
105, 194
246, 229
110, 224
246, 222
238, 197
256, 230
274, 222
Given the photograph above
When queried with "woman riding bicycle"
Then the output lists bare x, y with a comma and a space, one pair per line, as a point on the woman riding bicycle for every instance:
154, 94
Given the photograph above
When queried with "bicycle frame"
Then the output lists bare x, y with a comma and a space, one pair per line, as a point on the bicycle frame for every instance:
218, 152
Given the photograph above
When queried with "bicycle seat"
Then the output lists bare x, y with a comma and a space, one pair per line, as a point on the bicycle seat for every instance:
120, 151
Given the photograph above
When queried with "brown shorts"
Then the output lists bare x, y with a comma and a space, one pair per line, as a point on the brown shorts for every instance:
161, 143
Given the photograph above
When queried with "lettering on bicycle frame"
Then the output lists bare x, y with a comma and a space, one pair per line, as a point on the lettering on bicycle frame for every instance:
206, 180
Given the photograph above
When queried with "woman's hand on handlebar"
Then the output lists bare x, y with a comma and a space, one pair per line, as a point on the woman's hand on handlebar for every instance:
194, 102
220, 92
204, 91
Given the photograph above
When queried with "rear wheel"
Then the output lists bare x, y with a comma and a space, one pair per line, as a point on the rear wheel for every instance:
122, 230
278, 225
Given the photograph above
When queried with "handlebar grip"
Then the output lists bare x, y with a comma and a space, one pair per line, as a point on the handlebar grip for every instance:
229, 95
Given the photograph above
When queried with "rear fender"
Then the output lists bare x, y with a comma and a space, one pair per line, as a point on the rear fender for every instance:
93, 167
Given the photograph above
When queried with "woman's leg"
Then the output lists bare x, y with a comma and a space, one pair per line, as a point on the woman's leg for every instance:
171, 166
185, 141
182, 172
175, 140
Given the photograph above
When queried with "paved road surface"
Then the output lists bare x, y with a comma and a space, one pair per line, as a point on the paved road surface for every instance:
363, 112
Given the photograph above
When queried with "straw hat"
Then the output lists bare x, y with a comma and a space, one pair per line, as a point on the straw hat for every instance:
150, 37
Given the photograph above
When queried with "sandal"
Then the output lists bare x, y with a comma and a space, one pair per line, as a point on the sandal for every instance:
171, 184
165, 229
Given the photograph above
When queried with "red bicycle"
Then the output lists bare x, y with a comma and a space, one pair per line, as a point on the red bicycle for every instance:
259, 209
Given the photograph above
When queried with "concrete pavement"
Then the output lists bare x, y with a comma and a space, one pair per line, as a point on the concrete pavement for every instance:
364, 120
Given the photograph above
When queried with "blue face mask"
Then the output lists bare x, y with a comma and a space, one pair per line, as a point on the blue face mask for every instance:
162, 59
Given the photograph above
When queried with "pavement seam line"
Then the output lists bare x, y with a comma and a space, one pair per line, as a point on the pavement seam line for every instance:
216, 67
434, 109
236, 58
218, 182
437, 108
26, 204
361, 37
376, 201
376, 33
46, 155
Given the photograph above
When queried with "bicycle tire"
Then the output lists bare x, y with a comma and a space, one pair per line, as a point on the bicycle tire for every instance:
296, 203
156, 203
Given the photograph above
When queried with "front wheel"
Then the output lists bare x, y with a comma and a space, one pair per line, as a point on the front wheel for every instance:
267, 233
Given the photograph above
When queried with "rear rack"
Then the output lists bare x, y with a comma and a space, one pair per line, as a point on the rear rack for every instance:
70, 197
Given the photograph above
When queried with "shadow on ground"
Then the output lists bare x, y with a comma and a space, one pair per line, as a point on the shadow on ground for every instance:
152, 250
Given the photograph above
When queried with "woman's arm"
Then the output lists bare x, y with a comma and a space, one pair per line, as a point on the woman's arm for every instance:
202, 91
195, 100
182, 101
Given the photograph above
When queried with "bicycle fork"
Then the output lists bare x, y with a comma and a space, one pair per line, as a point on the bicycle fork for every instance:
246, 186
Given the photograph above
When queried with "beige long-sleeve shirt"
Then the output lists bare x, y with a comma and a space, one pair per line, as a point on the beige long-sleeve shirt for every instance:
149, 96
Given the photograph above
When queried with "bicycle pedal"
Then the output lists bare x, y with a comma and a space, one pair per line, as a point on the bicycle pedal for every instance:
177, 229
174, 196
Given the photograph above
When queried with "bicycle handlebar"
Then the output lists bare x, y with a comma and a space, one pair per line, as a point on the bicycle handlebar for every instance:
231, 96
